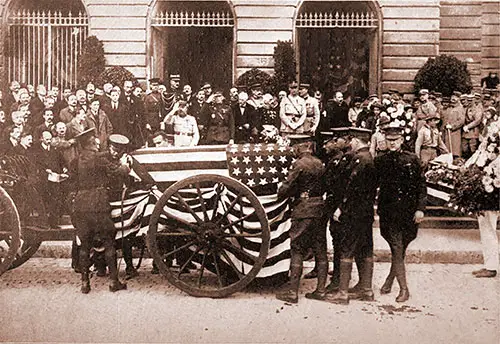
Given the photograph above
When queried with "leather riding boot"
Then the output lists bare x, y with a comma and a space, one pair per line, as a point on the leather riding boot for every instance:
85, 289
365, 291
404, 293
114, 282
291, 292
387, 286
320, 292
360, 267
342, 296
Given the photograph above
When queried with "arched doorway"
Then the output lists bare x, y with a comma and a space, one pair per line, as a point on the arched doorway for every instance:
44, 39
338, 46
194, 39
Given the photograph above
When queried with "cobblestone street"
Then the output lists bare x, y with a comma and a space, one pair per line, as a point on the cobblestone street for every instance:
41, 302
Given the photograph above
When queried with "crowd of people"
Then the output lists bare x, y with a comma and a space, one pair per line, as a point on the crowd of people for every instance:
48, 125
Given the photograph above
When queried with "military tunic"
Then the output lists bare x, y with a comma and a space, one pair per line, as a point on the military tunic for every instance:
293, 115
402, 192
153, 110
220, 124
356, 219
94, 173
304, 186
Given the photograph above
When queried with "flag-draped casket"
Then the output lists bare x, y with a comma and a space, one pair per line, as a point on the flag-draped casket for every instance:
259, 166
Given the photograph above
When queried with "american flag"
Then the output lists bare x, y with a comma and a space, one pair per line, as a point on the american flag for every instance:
258, 166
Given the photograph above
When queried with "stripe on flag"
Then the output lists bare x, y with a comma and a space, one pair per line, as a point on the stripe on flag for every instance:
166, 166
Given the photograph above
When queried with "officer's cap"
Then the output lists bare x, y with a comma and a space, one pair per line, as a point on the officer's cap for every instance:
470, 96
118, 140
477, 95
84, 135
372, 96
392, 133
206, 86
304, 85
463, 96
175, 77
457, 93
299, 138
336, 132
154, 80
360, 133
487, 96
424, 91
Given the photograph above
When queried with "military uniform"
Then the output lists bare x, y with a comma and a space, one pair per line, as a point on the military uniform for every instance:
220, 124
292, 114
152, 110
305, 187
402, 193
470, 130
93, 173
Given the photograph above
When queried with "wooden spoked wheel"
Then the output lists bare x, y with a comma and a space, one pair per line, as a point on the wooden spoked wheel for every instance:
216, 231
33, 218
10, 231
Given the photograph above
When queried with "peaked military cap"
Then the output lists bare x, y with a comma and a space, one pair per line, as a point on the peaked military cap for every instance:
424, 91
118, 140
304, 85
393, 133
457, 93
360, 133
175, 77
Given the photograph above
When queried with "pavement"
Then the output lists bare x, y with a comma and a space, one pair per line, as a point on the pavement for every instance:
41, 302
432, 245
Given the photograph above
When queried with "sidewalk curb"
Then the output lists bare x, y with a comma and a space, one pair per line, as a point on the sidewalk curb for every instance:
63, 250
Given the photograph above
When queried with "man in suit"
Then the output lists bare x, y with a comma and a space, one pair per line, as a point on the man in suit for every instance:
133, 113
37, 103
241, 113
69, 112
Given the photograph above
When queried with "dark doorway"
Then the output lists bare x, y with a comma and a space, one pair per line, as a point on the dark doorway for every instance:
199, 54
335, 60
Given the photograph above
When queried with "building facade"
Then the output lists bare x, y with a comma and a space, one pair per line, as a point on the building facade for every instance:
366, 46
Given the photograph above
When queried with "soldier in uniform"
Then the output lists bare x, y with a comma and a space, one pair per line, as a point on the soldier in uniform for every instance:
305, 187
292, 112
312, 110
470, 130
93, 173
220, 121
152, 107
172, 94
401, 203
184, 126
425, 109
355, 217
336, 176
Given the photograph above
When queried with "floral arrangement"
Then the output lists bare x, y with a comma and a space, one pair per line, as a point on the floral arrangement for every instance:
401, 119
441, 173
477, 187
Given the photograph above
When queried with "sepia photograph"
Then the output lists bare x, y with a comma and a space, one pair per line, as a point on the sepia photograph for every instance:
250, 171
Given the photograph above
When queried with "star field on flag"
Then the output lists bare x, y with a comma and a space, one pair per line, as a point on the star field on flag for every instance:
259, 164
